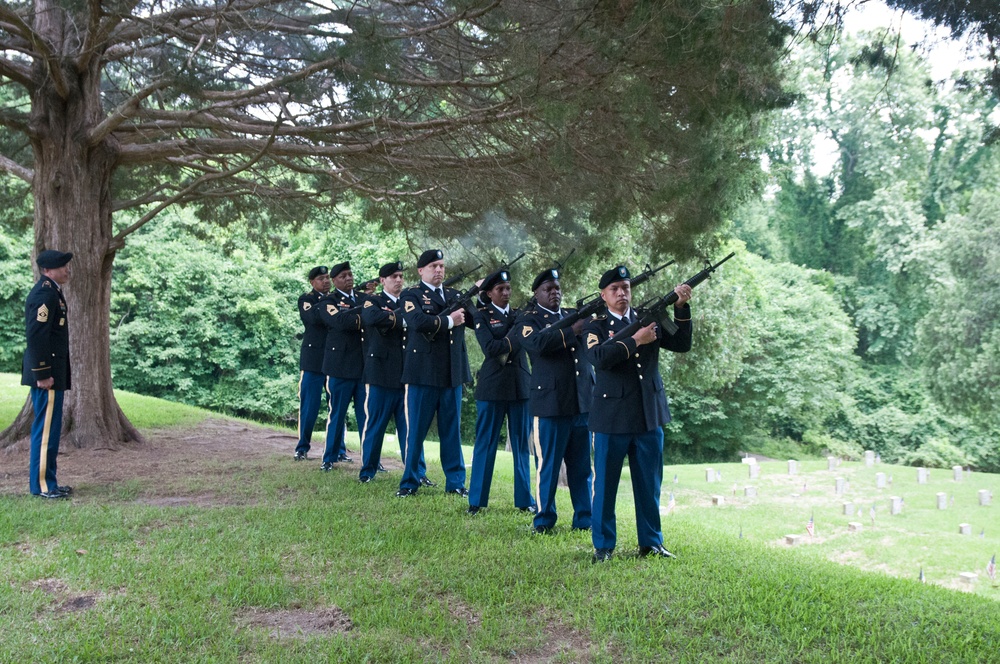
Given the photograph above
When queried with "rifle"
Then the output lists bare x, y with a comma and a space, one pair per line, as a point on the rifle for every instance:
657, 313
637, 280
362, 289
465, 298
450, 281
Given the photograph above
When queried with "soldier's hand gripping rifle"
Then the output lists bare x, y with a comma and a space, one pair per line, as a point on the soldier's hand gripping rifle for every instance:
657, 313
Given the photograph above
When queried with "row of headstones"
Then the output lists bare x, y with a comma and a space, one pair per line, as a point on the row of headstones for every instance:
833, 462
712, 475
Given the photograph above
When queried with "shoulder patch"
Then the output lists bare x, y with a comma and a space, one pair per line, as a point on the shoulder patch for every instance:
408, 306
331, 309
369, 303
525, 331
43, 314
592, 340
306, 306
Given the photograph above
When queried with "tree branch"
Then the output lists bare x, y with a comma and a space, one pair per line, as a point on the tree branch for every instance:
41, 49
125, 111
14, 168
16, 72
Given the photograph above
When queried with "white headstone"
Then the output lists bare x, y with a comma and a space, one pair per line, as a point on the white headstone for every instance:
750, 491
957, 471
964, 529
718, 500
831, 463
749, 460
942, 500
754, 471
869, 458
849, 509
895, 505
921, 476
854, 527
841, 486
709, 475
793, 467
984, 497
879, 480
968, 577
792, 540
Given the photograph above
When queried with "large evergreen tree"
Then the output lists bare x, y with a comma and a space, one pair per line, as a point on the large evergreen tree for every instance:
433, 110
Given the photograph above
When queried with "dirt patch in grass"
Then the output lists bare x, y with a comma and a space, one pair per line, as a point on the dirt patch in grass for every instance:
63, 600
298, 623
163, 470
561, 643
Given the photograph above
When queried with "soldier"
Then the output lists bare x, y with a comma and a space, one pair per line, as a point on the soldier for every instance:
46, 370
312, 381
385, 345
434, 370
343, 360
561, 385
501, 391
629, 411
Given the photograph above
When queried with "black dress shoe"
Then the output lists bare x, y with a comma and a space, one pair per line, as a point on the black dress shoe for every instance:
382, 469
426, 482
575, 529
530, 509
345, 458
602, 555
366, 479
541, 530
406, 493
656, 551
52, 495
300, 456
473, 510
460, 491
65, 490
327, 466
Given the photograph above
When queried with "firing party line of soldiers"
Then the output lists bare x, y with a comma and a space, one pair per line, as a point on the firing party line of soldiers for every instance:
593, 384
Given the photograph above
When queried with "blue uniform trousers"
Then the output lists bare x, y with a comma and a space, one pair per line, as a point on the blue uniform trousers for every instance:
489, 419
559, 439
422, 403
381, 405
341, 392
45, 430
312, 386
645, 463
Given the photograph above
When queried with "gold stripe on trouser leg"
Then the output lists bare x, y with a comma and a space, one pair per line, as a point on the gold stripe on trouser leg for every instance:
541, 462
368, 421
406, 414
302, 375
43, 455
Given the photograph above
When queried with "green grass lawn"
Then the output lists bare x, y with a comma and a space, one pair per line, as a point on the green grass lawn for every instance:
106, 577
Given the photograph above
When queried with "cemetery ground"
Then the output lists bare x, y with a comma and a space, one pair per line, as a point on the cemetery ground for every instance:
209, 544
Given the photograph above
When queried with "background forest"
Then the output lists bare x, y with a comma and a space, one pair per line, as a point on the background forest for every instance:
861, 310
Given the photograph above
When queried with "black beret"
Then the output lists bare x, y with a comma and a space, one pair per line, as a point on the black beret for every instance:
50, 259
547, 275
619, 273
339, 267
500, 277
318, 271
429, 257
390, 269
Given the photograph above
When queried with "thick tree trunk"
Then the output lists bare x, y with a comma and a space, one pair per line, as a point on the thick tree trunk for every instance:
72, 195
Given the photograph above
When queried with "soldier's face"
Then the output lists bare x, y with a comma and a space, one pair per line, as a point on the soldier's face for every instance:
344, 281
432, 273
60, 275
549, 295
499, 295
393, 284
321, 283
618, 296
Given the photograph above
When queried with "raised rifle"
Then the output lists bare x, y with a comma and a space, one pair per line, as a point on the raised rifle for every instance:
451, 281
657, 313
464, 299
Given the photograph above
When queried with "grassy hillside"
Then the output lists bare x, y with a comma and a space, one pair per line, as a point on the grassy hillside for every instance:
279, 562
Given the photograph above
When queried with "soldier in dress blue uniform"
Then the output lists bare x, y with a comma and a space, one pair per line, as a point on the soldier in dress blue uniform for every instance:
434, 370
343, 360
312, 381
561, 384
385, 346
629, 411
46, 370
501, 391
